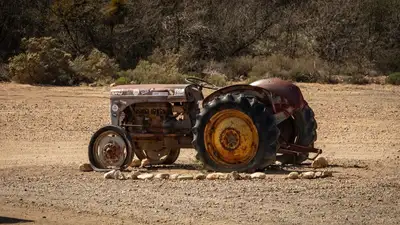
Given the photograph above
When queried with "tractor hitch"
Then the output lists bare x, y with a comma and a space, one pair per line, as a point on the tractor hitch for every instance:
298, 149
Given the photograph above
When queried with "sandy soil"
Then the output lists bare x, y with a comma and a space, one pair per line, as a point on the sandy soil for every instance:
45, 131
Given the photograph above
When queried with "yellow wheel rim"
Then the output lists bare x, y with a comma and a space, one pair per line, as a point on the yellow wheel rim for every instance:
231, 137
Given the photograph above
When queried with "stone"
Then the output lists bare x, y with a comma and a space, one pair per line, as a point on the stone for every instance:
134, 175
293, 175
135, 163
308, 175
85, 167
173, 176
145, 176
320, 162
145, 162
213, 176
318, 174
326, 174
245, 176
258, 175
110, 174
161, 176
119, 175
199, 176
224, 176
234, 175
185, 177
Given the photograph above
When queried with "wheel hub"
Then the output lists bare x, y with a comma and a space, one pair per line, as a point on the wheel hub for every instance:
230, 139
112, 152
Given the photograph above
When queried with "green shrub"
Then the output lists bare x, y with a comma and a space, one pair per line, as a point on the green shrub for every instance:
146, 73
393, 78
240, 67
122, 80
217, 79
298, 69
43, 62
97, 67
4, 74
358, 79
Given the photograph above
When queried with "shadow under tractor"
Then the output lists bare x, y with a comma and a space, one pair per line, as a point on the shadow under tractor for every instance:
243, 127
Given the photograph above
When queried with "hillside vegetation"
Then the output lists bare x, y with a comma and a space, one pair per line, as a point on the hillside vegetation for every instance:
69, 42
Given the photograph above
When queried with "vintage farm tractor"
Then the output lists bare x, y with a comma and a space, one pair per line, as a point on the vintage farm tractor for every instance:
243, 127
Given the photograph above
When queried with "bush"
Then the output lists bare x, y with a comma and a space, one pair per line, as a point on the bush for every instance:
147, 72
43, 62
122, 80
298, 70
358, 79
97, 67
240, 66
393, 78
4, 74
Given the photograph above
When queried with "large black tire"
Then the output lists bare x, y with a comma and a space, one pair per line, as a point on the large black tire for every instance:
170, 159
304, 128
127, 140
261, 116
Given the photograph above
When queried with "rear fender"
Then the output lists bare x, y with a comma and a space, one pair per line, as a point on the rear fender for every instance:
282, 88
261, 94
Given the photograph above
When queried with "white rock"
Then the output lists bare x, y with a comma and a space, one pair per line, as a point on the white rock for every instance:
225, 176
145, 176
134, 175
258, 175
119, 175
308, 175
173, 176
85, 167
318, 174
320, 162
293, 175
245, 176
135, 163
185, 177
145, 162
235, 175
326, 174
199, 176
110, 174
214, 176
161, 176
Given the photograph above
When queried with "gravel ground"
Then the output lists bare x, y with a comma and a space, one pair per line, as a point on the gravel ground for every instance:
45, 132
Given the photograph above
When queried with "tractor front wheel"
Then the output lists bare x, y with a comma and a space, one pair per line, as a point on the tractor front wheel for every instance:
235, 133
110, 148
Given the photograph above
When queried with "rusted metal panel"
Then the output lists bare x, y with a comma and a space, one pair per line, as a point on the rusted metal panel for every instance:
151, 92
285, 89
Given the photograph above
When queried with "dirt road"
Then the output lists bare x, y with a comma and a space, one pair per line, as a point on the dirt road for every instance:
45, 131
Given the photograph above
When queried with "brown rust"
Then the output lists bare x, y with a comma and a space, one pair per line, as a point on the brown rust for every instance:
285, 89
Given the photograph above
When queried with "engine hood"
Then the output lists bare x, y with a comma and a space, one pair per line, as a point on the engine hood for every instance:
154, 90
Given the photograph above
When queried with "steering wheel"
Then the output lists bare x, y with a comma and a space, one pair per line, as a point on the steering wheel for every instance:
201, 83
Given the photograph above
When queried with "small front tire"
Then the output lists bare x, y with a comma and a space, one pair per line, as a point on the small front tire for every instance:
110, 148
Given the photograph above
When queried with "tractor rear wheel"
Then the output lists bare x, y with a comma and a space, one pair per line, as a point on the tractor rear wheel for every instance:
301, 130
235, 133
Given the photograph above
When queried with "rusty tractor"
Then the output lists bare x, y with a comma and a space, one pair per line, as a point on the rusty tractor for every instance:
243, 127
